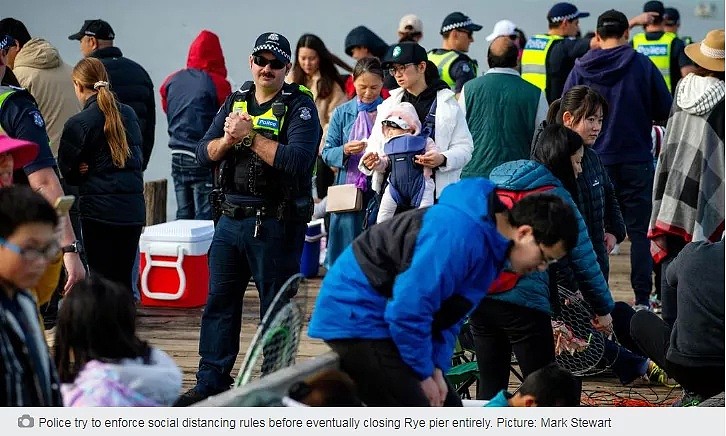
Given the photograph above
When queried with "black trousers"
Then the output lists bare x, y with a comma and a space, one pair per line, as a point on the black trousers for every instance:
498, 329
110, 249
653, 336
382, 377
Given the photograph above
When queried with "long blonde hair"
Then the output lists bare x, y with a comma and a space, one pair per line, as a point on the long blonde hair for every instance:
90, 74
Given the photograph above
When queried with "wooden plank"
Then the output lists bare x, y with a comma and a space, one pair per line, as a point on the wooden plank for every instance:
155, 198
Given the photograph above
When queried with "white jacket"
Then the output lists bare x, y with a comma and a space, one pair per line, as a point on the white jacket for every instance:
452, 138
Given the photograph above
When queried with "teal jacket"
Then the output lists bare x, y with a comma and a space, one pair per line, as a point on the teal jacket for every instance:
532, 290
501, 112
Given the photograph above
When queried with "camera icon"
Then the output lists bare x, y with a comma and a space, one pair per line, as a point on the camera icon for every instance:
26, 421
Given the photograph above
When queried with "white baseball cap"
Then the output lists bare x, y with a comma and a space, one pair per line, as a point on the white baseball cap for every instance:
502, 28
410, 23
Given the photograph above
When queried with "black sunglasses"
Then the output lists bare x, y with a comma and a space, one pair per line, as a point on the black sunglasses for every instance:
261, 61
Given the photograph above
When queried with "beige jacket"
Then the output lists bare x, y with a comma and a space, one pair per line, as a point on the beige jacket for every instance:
325, 106
40, 69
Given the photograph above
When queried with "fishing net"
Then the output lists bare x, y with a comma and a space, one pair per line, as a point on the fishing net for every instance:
578, 346
275, 343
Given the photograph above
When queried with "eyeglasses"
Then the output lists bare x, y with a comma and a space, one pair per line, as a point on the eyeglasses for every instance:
262, 61
545, 259
50, 252
398, 69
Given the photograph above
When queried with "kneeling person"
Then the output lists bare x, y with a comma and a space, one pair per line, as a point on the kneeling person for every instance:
394, 302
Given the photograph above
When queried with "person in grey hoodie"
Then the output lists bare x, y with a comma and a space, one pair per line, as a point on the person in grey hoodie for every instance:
637, 96
100, 360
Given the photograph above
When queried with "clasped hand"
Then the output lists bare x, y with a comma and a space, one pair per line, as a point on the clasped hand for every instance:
237, 125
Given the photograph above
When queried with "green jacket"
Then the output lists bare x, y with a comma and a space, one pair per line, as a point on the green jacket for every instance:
501, 112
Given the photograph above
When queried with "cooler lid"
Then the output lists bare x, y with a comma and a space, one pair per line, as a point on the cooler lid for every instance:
179, 231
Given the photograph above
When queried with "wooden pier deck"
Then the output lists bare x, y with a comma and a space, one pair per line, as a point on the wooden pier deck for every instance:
176, 331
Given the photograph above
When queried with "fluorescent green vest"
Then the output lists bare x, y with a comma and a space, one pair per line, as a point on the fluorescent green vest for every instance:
444, 61
658, 50
534, 59
267, 122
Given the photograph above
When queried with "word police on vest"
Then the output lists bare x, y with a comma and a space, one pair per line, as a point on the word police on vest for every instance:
653, 50
535, 43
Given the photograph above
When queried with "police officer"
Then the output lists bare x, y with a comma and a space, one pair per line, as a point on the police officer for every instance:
455, 66
548, 58
665, 49
672, 23
20, 118
264, 139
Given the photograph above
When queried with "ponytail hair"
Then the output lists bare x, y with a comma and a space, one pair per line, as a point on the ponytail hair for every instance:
90, 74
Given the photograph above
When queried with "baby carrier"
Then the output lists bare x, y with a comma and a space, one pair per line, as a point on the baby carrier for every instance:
406, 181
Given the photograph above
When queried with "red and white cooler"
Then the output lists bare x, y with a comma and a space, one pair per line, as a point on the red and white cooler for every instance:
174, 269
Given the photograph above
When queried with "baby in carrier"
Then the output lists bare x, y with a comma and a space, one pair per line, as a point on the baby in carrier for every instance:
409, 185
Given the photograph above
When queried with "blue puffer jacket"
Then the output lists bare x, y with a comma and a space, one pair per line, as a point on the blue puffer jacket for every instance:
598, 203
532, 290
414, 279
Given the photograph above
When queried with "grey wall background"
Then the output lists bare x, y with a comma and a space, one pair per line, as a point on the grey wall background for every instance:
157, 33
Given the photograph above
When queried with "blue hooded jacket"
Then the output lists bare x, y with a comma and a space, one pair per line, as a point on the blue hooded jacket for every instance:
398, 278
636, 94
532, 290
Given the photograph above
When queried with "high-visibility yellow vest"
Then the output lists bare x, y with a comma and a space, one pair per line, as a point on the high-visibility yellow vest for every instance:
534, 59
658, 50
5, 92
445, 60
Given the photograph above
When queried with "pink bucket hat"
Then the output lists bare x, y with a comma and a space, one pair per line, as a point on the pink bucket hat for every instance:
405, 117
23, 152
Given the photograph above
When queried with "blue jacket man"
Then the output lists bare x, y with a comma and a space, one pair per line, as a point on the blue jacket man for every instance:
637, 96
191, 98
264, 140
394, 301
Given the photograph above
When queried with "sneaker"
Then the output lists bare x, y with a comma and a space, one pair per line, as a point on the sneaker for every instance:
656, 374
190, 397
689, 399
639, 307
655, 304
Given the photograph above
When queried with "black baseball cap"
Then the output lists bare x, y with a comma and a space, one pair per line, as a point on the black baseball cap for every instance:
614, 19
565, 11
457, 20
671, 16
96, 28
404, 53
654, 6
276, 44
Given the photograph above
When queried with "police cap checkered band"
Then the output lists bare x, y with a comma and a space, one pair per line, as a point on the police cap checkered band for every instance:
6, 41
565, 12
276, 44
457, 20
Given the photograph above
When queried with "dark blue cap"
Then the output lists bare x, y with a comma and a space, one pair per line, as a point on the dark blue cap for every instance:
404, 53
654, 6
276, 44
6, 41
671, 16
457, 20
565, 11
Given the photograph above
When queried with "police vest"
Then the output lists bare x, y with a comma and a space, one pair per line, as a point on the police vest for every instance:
445, 60
534, 59
244, 172
658, 50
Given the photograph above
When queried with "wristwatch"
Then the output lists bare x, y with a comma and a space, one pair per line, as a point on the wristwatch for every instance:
74, 247
247, 140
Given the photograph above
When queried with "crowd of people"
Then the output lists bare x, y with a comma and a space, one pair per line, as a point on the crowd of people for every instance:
449, 196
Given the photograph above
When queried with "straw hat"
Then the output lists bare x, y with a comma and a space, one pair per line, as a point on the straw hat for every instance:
708, 53
23, 152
